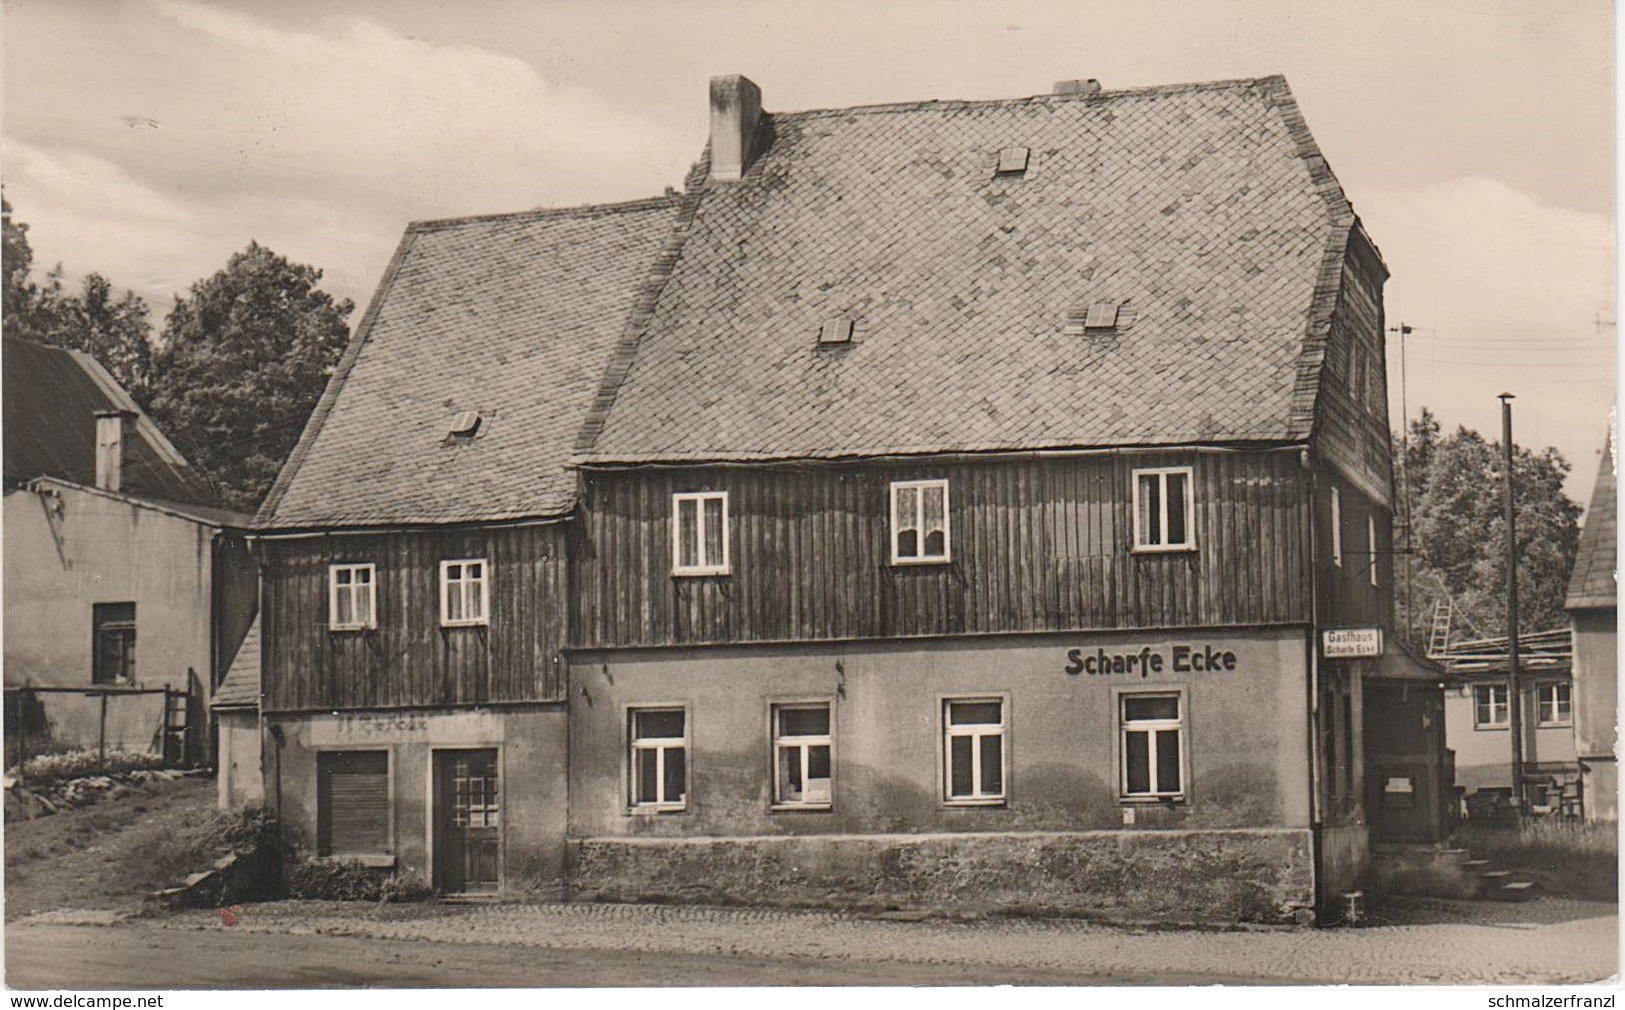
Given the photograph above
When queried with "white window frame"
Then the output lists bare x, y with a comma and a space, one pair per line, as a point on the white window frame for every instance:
897, 525
1162, 473
782, 743
1371, 539
659, 744
462, 586
1337, 527
706, 566
1151, 727
979, 797
370, 621
1504, 707
1562, 695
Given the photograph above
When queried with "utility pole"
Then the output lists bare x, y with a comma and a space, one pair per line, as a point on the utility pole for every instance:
1404, 331
1514, 696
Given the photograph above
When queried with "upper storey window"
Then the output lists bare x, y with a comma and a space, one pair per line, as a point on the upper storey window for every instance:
350, 597
1164, 509
464, 593
699, 521
919, 521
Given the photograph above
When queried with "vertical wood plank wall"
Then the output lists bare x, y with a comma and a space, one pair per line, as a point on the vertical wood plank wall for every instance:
409, 659
1037, 545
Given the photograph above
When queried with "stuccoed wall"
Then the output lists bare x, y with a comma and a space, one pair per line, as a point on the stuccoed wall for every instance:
1129, 876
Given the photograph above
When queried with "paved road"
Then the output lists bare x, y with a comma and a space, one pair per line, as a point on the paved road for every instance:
314, 944
147, 957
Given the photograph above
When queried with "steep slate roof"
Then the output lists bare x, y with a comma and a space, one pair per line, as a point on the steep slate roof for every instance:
1206, 208
240, 688
1593, 583
51, 396
513, 316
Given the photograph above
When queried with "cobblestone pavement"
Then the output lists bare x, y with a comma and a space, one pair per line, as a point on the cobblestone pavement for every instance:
1548, 941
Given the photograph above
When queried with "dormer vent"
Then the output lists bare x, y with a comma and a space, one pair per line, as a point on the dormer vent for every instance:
835, 331
1012, 161
465, 425
1102, 316
1098, 317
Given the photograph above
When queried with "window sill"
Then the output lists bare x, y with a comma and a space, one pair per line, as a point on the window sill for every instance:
685, 573
344, 628
371, 860
1171, 549
988, 801
465, 624
1554, 725
911, 562
1171, 799
801, 808
1492, 729
653, 810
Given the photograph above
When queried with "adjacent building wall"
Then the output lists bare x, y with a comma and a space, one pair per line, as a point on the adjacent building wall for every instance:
67, 549
1596, 707
1484, 755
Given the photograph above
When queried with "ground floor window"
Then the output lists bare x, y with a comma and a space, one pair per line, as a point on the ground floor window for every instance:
1152, 746
974, 749
803, 775
659, 758
1554, 704
352, 802
1490, 710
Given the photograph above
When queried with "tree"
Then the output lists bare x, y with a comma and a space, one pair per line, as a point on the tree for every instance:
1456, 505
240, 365
116, 331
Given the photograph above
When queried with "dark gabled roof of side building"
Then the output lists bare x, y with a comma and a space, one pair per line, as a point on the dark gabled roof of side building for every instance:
51, 398
512, 316
1594, 582
1206, 209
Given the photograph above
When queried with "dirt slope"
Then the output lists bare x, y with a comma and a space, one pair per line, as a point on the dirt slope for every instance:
111, 854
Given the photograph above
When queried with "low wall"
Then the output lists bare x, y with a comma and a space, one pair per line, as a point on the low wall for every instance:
1219, 876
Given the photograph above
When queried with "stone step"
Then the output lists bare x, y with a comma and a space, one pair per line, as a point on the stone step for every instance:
1474, 865
1517, 890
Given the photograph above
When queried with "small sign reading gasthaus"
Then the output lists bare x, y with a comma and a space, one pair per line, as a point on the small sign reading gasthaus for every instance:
1351, 643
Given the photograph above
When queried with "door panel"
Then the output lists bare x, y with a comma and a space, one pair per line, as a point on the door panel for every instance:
468, 821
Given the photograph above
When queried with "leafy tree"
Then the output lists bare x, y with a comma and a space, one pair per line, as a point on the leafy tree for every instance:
1456, 505
116, 331
240, 366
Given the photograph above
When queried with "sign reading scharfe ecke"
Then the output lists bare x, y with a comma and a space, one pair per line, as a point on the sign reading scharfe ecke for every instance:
1351, 643
1149, 660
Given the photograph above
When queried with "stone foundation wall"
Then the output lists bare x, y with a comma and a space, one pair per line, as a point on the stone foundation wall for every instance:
1218, 876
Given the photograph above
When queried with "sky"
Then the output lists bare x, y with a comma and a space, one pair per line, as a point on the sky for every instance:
148, 140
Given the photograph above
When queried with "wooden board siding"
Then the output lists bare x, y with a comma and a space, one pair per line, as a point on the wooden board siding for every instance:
1345, 593
1351, 435
409, 659
1037, 544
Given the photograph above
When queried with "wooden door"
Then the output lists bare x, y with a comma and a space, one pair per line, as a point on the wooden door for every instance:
468, 821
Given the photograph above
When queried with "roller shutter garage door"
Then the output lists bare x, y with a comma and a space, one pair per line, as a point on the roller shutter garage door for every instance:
353, 802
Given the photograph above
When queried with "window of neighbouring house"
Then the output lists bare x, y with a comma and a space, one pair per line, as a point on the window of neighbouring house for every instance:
803, 772
1337, 528
699, 522
1554, 704
113, 631
351, 597
1164, 509
352, 803
1152, 744
919, 521
1490, 706
1371, 540
659, 758
464, 592
974, 750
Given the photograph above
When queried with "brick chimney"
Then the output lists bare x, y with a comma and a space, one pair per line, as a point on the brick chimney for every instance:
111, 426
736, 109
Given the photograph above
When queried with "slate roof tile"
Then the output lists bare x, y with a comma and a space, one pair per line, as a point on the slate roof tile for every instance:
1205, 208
1593, 583
513, 316
240, 688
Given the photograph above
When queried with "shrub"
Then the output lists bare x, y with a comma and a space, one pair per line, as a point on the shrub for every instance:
1574, 859
346, 880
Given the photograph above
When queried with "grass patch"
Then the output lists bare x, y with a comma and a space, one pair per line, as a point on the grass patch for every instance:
1570, 859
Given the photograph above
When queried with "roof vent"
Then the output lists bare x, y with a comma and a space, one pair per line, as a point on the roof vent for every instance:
1088, 89
1098, 317
465, 424
1012, 161
836, 331
1102, 316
